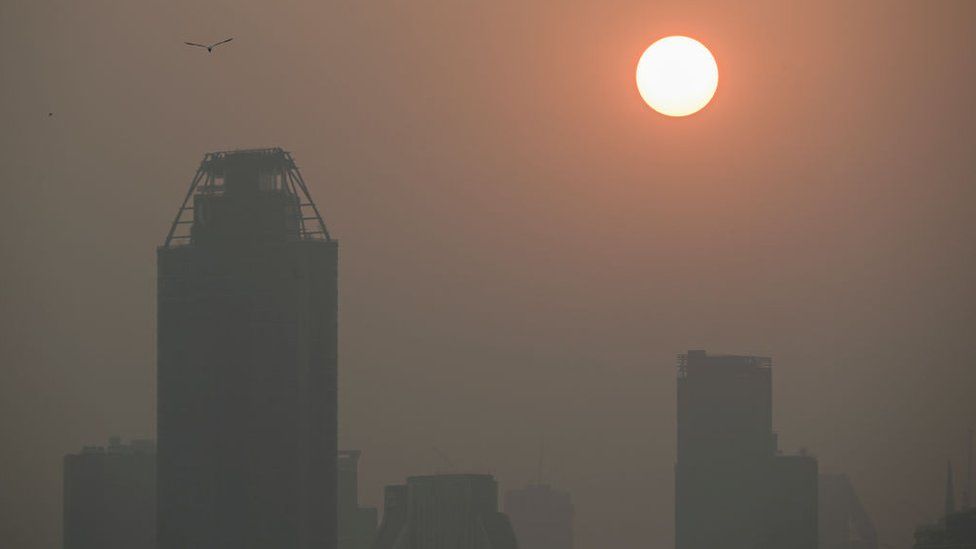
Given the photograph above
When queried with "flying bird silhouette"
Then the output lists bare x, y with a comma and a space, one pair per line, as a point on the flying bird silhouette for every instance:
210, 47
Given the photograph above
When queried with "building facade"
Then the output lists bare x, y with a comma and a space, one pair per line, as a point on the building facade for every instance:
444, 511
541, 516
110, 496
247, 362
732, 487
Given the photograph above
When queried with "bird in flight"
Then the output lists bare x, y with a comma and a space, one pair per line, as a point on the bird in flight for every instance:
210, 47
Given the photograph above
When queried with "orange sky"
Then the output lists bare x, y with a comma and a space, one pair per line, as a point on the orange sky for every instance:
525, 244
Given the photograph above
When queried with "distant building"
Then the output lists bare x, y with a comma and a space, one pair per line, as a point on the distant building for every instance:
247, 361
792, 519
110, 497
394, 517
357, 525
444, 511
732, 488
844, 523
541, 516
956, 530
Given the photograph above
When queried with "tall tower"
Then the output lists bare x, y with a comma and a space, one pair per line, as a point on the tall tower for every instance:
725, 440
247, 361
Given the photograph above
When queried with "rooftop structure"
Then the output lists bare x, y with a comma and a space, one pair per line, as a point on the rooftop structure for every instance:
286, 210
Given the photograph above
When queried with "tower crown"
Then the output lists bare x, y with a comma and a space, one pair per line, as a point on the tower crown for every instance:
247, 195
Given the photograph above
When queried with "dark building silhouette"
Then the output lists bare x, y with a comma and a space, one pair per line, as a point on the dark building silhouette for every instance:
844, 523
357, 525
394, 517
247, 328
444, 511
954, 531
791, 513
957, 529
732, 488
110, 496
541, 516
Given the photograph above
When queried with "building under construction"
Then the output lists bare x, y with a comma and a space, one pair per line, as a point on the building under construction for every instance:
247, 326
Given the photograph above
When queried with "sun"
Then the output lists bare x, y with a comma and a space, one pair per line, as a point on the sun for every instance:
677, 76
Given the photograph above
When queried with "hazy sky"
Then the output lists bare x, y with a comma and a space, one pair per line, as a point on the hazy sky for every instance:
525, 246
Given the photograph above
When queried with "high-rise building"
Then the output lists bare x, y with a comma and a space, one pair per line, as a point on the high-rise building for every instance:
444, 511
110, 496
843, 521
247, 361
357, 525
541, 516
732, 488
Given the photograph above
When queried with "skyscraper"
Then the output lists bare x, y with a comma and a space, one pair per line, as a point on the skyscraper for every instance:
541, 516
732, 489
247, 330
453, 511
110, 496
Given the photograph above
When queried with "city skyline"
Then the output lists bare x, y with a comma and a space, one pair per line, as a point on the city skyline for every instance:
526, 244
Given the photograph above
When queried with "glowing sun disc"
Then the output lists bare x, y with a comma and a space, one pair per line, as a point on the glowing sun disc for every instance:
677, 76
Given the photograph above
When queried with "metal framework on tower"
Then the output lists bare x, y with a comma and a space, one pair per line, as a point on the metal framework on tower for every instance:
277, 172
